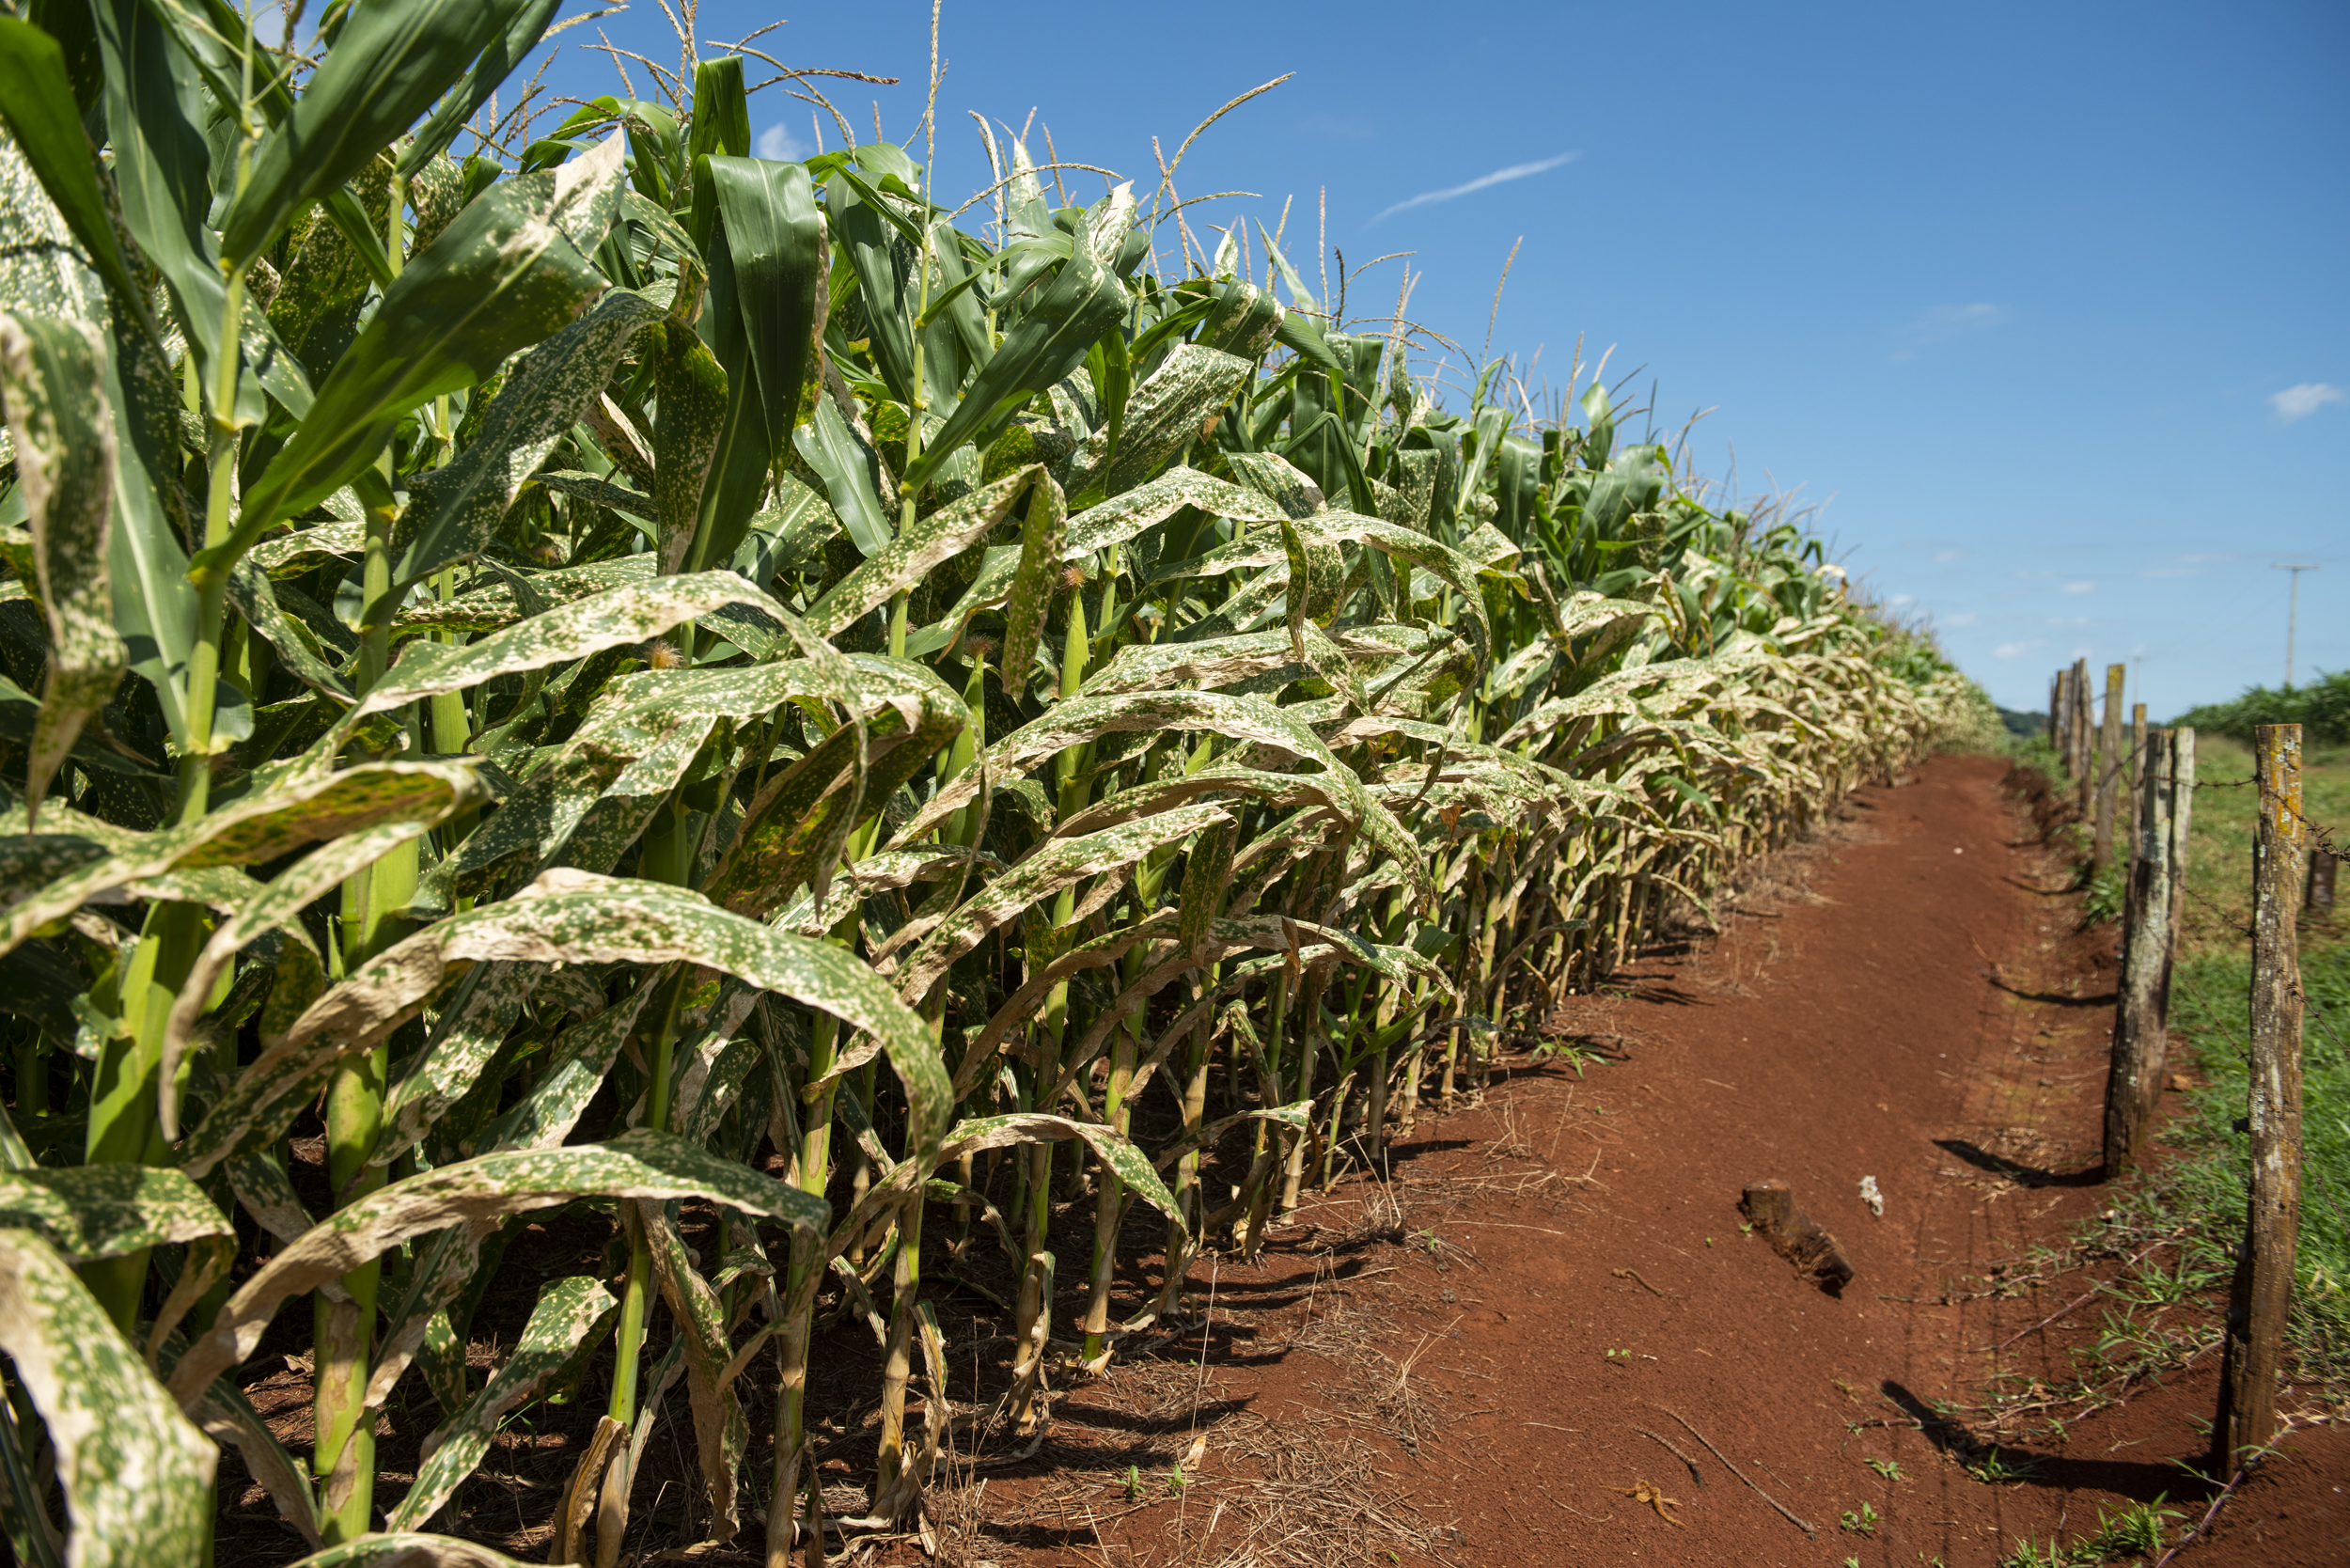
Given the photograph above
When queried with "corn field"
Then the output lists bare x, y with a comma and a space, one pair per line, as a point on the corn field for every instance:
624, 678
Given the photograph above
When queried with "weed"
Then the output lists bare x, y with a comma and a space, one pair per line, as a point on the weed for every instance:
1997, 1467
1864, 1522
1889, 1469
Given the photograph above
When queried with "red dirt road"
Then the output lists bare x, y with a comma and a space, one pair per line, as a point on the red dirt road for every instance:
1905, 1000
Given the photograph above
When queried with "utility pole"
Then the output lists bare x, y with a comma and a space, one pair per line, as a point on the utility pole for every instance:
2293, 609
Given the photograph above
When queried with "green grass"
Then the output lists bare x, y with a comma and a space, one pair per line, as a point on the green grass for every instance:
2205, 1185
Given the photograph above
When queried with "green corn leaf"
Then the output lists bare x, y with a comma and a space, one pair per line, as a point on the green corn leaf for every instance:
478, 1193
567, 1319
137, 1477
65, 462
162, 169
47, 127
526, 22
259, 827
510, 272
569, 917
832, 451
1048, 341
104, 1211
388, 65
765, 259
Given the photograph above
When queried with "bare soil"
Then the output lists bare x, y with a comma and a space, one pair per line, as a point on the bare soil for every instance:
1548, 1337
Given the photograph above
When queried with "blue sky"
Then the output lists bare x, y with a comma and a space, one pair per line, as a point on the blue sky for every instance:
2043, 305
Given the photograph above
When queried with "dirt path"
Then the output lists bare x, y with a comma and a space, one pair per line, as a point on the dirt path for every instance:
1508, 1350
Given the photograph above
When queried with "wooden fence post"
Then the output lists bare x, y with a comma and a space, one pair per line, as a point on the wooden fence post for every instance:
2141, 1044
2138, 746
2084, 737
2317, 898
2110, 763
2056, 713
2182, 764
2264, 1270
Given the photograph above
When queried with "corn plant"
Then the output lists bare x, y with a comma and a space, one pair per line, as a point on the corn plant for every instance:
590, 675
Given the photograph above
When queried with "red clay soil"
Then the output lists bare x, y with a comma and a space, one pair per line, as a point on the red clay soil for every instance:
1547, 1339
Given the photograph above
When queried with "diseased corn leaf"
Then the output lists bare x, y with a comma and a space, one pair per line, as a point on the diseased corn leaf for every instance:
1042, 545
612, 619
1155, 500
1207, 877
568, 1320
227, 1418
137, 1477
1163, 416
295, 644
104, 1211
1059, 863
911, 556
384, 72
454, 511
494, 606
279, 903
721, 1431
1086, 718
567, 916
1115, 1151
568, 1077
258, 827
408, 1549
478, 1017
692, 388
641, 1164
63, 430
504, 276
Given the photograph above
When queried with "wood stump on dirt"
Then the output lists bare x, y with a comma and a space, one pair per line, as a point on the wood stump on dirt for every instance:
1770, 1206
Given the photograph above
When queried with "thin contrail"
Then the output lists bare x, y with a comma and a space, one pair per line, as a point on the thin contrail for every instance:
1515, 171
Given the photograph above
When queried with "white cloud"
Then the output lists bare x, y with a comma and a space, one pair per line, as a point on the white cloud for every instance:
1515, 171
1946, 321
1901, 599
1948, 555
2300, 402
2080, 588
1964, 618
781, 144
2015, 649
